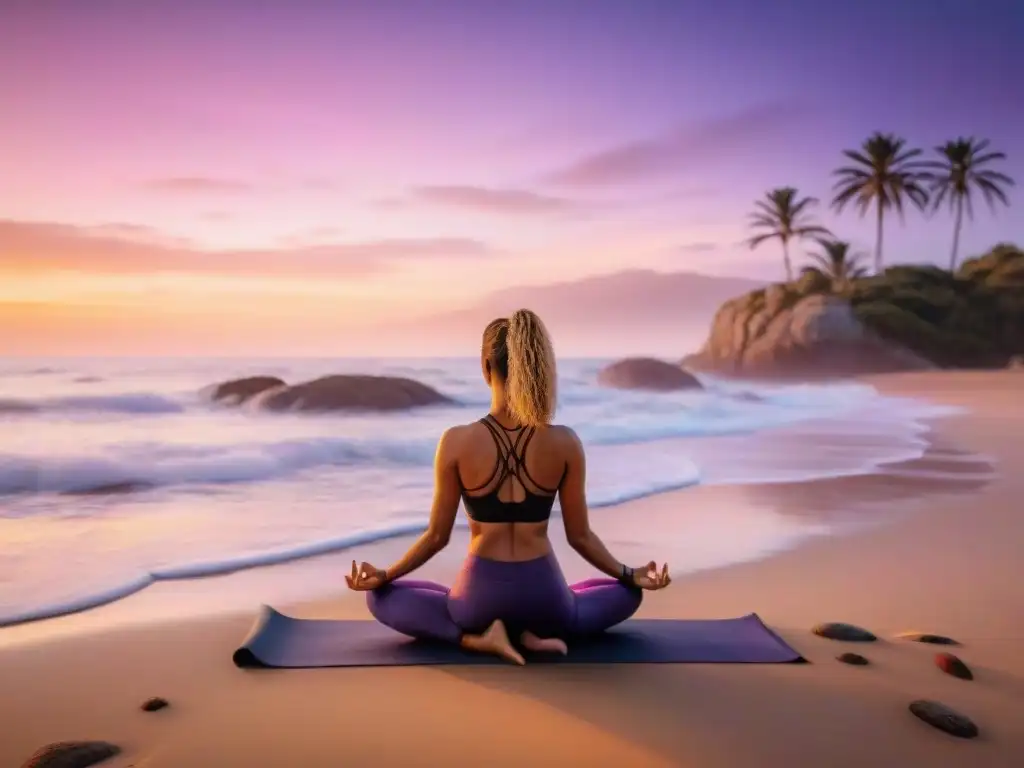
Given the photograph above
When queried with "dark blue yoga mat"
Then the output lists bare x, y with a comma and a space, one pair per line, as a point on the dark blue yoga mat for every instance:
277, 640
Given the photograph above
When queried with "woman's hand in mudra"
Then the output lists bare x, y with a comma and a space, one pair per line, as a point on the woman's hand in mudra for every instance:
649, 577
365, 577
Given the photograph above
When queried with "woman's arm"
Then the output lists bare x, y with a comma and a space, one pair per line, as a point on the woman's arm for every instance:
572, 495
442, 512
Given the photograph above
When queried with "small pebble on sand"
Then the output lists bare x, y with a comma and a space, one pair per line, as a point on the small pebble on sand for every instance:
944, 718
927, 637
836, 630
71, 754
852, 658
952, 665
152, 705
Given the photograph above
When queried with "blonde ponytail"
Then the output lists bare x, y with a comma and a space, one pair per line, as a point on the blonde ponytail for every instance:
530, 387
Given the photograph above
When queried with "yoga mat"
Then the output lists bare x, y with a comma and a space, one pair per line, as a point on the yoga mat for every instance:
277, 640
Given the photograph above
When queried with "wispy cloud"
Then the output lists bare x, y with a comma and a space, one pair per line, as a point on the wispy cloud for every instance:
139, 233
686, 146
319, 184
40, 246
699, 247
519, 202
198, 185
313, 236
220, 186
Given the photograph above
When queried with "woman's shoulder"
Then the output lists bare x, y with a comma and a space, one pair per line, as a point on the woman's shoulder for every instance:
565, 436
458, 434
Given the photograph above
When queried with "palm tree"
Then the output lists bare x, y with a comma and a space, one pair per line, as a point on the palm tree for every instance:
885, 173
836, 263
961, 171
783, 215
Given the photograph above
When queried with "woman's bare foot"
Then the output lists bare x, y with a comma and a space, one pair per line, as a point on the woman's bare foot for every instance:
494, 640
544, 644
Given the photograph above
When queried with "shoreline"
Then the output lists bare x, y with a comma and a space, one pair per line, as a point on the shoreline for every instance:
156, 599
940, 562
404, 533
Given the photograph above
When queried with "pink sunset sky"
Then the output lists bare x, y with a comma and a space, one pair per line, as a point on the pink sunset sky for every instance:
234, 177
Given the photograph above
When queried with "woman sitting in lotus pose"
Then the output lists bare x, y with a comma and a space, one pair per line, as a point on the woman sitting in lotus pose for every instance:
507, 468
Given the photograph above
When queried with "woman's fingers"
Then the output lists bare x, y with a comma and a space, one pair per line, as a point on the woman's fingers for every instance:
351, 578
366, 570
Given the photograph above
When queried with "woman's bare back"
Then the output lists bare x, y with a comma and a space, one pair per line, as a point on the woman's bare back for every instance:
541, 471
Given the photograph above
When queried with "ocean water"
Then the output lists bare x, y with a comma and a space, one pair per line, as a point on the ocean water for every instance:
235, 488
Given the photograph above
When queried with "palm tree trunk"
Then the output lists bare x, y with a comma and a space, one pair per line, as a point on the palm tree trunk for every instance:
878, 241
956, 231
785, 258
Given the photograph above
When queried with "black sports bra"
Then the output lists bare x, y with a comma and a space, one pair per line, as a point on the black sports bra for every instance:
488, 508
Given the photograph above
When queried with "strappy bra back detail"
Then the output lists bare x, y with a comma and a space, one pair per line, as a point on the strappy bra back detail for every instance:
509, 466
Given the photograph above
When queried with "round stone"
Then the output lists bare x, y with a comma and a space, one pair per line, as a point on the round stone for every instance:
152, 705
71, 754
927, 637
836, 630
852, 658
944, 718
951, 665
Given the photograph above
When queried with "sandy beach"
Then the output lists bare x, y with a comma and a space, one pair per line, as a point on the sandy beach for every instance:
936, 555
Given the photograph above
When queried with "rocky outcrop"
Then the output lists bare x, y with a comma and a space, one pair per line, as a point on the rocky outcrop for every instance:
779, 333
329, 393
239, 390
351, 392
647, 373
906, 318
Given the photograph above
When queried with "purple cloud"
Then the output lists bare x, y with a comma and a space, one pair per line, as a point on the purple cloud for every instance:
487, 199
699, 247
684, 147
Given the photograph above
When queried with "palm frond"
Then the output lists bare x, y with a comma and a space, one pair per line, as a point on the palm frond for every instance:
982, 159
760, 220
918, 194
991, 192
980, 145
850, 171
811, 230
995, 177
845, 194
801, 205
959, 173
836, 261
857, 157
942, 194
756, 240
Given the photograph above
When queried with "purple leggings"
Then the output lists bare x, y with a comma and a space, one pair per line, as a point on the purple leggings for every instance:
529, 595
